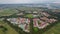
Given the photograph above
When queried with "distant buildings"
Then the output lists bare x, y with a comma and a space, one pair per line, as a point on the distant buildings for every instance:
44, 14
28, 12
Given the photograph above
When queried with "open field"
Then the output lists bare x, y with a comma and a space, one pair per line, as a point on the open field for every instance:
7, 12
29, 15
54, 30
10, 30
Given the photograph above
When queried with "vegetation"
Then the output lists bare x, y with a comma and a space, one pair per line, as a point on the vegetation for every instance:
35, 29
9, 29
7, 12
54, 30
29, 15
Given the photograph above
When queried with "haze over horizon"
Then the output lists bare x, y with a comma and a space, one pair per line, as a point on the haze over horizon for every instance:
27, 1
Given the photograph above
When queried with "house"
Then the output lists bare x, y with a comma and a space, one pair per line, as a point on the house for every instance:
45, 14
27, 28
52, 20
35, 22
44, 18
12, 20
35, 15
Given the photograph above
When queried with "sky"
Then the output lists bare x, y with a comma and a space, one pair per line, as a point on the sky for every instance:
28, 1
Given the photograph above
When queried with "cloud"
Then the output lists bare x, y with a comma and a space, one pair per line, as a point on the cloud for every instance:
27, 1
15, 1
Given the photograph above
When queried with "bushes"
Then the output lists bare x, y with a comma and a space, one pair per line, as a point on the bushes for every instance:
4, 29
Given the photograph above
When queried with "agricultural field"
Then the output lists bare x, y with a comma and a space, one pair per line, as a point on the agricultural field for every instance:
7, 12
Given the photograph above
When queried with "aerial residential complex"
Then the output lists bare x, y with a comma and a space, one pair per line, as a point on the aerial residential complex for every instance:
40, 20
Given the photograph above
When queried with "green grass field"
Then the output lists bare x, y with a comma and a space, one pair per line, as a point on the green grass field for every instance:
35, 29
10, 30
1, 31
29, 15
54, 30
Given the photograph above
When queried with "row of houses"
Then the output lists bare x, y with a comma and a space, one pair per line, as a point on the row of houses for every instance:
42, 22
23, 23
39, 23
